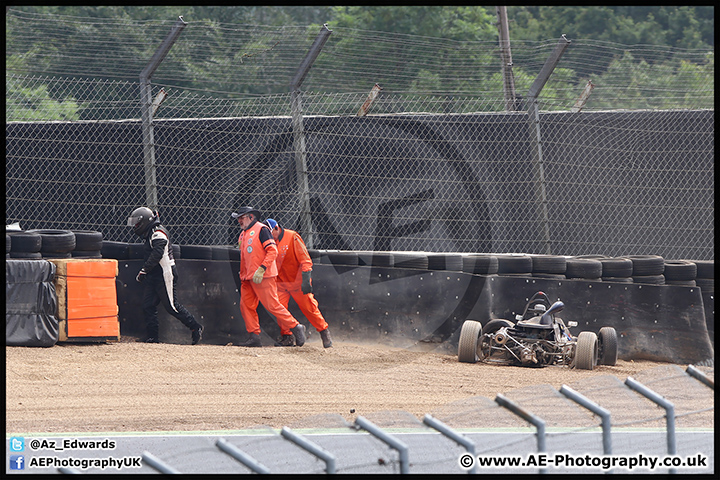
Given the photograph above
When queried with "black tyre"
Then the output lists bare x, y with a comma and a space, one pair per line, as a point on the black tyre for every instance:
705, 268
496, 324
377, 259
644, 265
196, 252
518, 264
26, 255
468, 343
56, 255
116, 250
227, 254
342, 258
88, 240
583, 268
680, 270
445, 261
480, 264
586, 351
617, 267
682, 283
617, 279
550, 276
56, 241
25, 242
707, 285
410, 260
649, 279
553, 264
607, 346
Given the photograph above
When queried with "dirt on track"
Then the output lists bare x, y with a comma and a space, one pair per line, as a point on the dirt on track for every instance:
137, 387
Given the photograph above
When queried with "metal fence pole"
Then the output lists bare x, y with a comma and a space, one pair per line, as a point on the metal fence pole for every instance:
596, 409
452, 435
539, 423
306, 444
393, 442
506, 59
306, 227
534, 118
241, 456
694, 372
157, 464
151, 199
669, 412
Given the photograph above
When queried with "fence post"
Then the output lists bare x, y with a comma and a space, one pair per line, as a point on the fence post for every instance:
306, 444
694, 372
158, 464
393, 442
241, 456
146, 109
506, 59
539, 423
596, 409
306, 227
669, 411
452, 435
534, 118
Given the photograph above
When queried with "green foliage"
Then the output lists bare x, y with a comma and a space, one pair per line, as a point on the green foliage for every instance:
455, 61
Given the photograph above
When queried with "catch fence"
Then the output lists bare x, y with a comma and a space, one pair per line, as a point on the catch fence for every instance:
439, 166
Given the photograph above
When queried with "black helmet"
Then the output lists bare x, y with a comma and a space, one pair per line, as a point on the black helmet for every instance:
141, 219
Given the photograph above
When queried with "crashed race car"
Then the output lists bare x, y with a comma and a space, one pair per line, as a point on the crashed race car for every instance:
538, 338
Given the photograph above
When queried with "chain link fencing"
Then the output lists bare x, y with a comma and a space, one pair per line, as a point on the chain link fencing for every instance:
436, 164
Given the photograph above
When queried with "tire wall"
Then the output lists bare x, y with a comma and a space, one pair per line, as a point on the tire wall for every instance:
420, 308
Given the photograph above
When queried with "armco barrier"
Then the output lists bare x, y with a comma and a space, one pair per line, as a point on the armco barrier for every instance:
414, 308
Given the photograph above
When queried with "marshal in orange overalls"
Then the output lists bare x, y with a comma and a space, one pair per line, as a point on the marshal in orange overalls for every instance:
257, 247
293, 259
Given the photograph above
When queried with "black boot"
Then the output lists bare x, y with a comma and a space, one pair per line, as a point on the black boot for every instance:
299, 333
326, 339
252, 341
197, 334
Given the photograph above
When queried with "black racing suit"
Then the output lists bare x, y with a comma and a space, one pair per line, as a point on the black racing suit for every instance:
160, 282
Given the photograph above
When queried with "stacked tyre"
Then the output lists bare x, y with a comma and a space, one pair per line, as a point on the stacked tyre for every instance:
680, 272
479, 264
587, 268
56, 243
617, 269
25, 245
648, 269
88, 244
705, 275
549, 266
515, 265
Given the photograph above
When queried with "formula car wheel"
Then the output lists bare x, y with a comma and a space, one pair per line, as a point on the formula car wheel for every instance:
607, 346
586, 351
496, 324
468, 344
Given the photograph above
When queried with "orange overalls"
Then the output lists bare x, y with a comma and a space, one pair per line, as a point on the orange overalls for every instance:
293, 259
257, 247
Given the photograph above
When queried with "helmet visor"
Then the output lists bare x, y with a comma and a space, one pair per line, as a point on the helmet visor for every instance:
134, 220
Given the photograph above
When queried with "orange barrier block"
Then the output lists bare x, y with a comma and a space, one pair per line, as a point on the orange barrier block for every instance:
87, 299
93, 327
